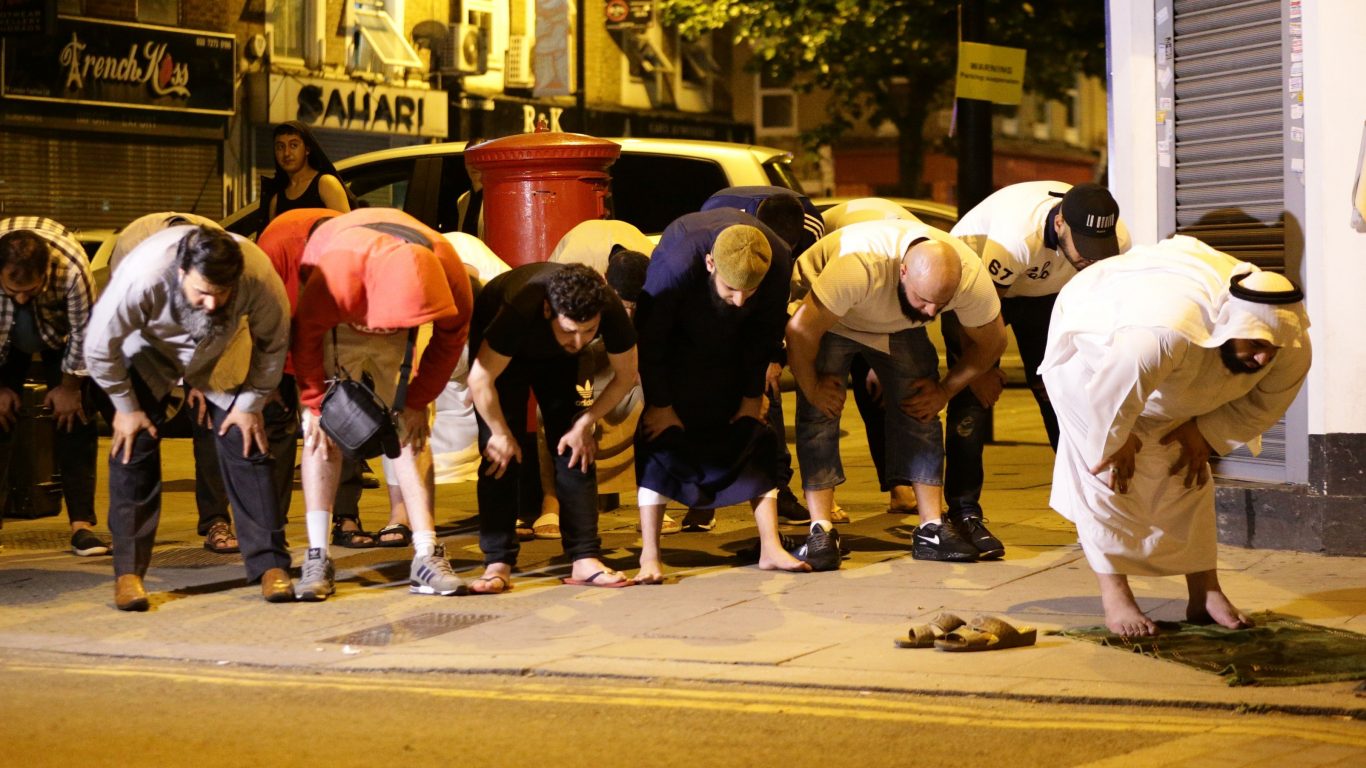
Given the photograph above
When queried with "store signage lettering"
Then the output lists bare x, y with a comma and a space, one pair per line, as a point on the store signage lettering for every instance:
150, 65
351, 106
115, 64
361, 111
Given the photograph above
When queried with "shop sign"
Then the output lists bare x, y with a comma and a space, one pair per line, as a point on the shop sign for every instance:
123, 65
348, 105
26, 17
628, 14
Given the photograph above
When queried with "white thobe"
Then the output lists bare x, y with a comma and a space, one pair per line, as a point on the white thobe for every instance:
1146, 382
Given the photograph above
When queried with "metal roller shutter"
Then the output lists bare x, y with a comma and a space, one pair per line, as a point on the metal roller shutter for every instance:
1226, 175
106, 181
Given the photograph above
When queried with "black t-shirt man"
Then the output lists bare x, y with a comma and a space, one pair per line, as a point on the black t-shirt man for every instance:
510, 315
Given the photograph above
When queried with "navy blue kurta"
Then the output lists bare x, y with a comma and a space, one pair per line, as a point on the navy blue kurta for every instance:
702, 357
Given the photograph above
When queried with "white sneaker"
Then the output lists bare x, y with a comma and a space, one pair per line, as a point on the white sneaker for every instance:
433, 575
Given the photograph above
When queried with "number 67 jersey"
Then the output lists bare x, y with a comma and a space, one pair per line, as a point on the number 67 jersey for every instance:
1017, 233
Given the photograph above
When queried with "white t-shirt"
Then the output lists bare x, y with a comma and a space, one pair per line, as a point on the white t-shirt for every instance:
855, 270
864, 209
1007, 230
590, 242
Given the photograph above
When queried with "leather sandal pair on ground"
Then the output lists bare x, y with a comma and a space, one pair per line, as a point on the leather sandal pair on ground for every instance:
949, 633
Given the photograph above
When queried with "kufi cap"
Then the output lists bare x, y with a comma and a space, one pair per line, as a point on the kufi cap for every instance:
742, 255
1092, 215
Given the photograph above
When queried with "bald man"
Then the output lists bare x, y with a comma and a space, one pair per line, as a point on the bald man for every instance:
869, 289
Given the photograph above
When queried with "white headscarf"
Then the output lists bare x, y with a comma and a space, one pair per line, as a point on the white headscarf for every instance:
1179, 283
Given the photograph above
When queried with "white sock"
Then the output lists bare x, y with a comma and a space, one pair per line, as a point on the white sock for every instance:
318, 522
824, 525
424, 543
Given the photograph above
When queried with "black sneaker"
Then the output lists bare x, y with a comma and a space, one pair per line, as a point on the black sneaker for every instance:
790, 510
821, 550
84, 543
974, 530
941, 541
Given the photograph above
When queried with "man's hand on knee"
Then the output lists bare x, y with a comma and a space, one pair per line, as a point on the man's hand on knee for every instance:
1121, 464
9, 408
1194, 457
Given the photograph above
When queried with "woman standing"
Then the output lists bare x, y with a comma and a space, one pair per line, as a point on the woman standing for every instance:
304, 177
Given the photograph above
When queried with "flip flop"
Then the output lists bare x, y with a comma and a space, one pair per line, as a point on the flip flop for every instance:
924, 635
592, 581
405, 536
506, 585
986, 633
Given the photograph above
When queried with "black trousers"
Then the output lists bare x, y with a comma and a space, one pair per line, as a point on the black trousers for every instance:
75, 450
501, 500
135, 494
282, 432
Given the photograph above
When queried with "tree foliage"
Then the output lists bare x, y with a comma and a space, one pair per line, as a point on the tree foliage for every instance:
895, 60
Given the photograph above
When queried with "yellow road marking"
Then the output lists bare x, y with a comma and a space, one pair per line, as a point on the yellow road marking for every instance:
828, 705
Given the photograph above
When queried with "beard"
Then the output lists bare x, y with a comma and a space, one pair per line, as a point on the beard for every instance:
911, 313
1233, 363
198, 323
720, 305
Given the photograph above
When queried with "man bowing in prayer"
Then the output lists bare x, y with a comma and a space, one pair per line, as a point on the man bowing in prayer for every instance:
1146, 390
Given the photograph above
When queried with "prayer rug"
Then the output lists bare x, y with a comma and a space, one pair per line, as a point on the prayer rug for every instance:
1279, 650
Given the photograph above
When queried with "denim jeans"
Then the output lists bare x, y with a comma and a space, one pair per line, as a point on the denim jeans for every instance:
914, 449
75, 450
503, 500
966, 432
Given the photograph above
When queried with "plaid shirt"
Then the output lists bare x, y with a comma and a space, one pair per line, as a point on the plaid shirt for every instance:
62, 310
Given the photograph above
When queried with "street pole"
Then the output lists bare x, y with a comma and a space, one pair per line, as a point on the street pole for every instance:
974, 140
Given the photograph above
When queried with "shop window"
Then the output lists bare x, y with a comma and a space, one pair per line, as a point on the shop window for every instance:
287, 29
166, 12
777, 112
70, 7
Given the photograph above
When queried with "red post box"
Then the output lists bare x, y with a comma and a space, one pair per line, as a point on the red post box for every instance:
537, 186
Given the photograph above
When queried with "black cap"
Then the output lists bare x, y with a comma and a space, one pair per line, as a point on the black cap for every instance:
1092, 215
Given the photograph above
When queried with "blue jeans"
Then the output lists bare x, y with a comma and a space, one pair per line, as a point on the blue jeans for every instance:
914, 449
966, 436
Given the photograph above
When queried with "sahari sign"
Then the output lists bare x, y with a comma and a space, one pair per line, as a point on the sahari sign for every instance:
354, 106
123, 65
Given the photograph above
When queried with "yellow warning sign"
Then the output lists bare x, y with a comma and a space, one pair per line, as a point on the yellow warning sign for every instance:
992, 73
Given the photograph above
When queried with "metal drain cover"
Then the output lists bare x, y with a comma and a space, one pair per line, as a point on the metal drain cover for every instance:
419, 627
191, 557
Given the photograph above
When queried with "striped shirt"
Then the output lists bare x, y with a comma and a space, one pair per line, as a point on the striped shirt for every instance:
62, 308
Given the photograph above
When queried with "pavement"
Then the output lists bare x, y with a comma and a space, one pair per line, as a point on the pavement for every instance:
718, 622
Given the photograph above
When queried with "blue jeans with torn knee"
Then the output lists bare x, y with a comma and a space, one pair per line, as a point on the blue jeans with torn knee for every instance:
914, 449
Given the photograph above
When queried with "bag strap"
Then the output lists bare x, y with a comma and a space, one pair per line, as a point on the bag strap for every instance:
404, 370
401, 231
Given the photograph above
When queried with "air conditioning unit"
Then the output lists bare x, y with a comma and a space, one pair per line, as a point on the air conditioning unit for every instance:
517, 73
466, 51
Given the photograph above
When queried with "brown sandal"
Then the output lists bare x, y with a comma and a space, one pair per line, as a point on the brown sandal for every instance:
220, 539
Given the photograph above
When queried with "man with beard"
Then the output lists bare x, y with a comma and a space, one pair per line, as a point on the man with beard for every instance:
169, 312
530, 326
1146, 391
869, 289
711, 316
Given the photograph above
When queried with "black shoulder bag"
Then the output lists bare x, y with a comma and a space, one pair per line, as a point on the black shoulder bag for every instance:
356, 419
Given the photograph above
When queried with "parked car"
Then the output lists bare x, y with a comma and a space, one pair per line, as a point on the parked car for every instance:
653, 182
937, 215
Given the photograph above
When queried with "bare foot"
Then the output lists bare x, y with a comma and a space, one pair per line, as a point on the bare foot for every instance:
1217, 609
651, 571
781, 560
591, 567
1122, 614
495, 581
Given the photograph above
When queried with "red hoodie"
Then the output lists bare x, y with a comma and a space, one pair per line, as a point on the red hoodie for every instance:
379, 281
283, 241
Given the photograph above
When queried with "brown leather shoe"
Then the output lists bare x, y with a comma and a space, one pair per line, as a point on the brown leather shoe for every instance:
276, 586
129, 594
